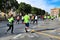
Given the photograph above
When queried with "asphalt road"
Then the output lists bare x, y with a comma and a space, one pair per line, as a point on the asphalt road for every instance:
46, 30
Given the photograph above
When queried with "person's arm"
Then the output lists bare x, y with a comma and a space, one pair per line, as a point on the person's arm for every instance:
7, 19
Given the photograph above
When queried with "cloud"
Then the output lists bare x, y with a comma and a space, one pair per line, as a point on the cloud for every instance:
40, 4
22, 1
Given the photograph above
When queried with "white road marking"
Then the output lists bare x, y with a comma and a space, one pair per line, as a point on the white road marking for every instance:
36, 35
29, 29
29, 35
17, 36
22, 36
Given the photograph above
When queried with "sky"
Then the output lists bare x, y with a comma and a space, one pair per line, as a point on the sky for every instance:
46, 5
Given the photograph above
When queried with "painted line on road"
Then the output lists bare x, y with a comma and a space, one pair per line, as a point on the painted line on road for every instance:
17, 36
30, 35
36, 35
22, 36
49, 35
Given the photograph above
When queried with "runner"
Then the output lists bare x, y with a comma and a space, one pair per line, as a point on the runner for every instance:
18, 18
33, 19
36, 18
22, 19
11, 20
52, 17
26, 21
48, 17
45, 17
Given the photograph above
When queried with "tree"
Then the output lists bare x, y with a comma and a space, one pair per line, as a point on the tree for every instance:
37, 11
59, 13
34, 10
24, 8
42, 12
6, 5
27, 8
47, 14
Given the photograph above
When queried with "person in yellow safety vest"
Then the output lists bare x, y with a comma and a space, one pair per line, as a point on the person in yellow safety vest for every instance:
52, 17
44, 17
11, 20
26, 21
48, 17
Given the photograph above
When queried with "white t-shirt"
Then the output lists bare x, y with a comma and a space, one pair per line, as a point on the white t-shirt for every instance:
35, 17
22, 17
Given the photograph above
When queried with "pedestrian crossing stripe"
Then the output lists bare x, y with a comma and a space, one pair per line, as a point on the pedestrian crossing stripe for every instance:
30, 35
17, 36
35, 34
26, 34
22, 36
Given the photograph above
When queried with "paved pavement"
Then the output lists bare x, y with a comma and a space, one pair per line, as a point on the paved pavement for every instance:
47, 30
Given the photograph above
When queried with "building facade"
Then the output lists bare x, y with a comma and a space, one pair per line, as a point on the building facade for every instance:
55, 12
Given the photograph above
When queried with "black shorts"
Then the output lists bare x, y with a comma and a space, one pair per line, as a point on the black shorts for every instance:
32, 19
17, 20
27, 24
22, 20
36, 20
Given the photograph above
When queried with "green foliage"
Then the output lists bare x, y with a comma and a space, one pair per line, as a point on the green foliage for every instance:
34, 10
25, 8
59, 13
6, 5
37, 11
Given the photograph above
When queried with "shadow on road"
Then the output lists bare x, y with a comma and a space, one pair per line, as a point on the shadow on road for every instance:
45, 29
